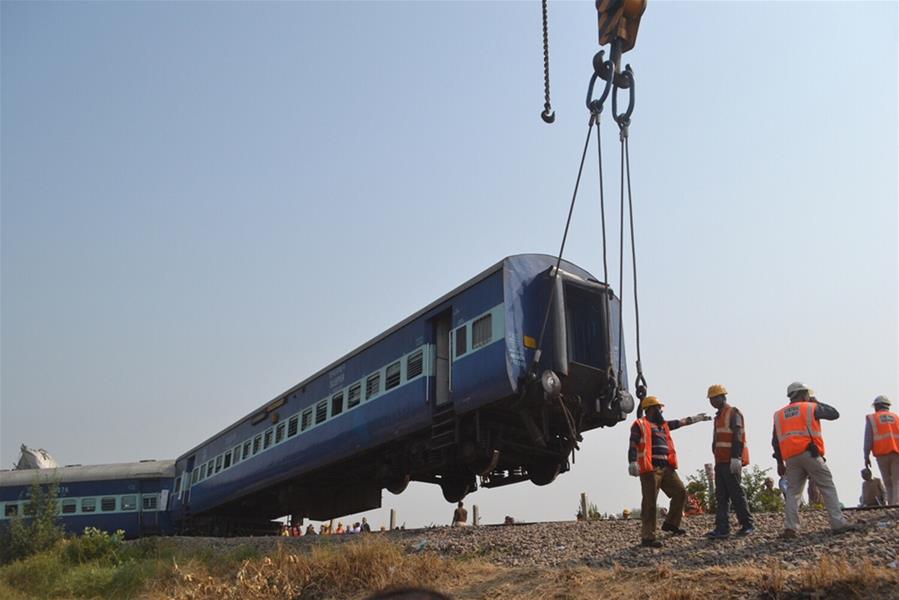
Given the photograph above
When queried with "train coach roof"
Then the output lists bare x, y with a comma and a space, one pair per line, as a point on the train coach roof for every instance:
150, 469
521, 262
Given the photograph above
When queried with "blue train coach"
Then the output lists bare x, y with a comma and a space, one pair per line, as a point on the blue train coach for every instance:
130, 496
457, 394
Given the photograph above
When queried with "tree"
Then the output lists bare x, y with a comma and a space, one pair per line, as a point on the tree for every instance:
38, 529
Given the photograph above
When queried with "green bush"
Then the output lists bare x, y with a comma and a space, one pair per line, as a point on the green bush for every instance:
758, 496
95, 546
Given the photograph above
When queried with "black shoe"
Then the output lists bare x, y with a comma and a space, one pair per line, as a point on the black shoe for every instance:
718, 535
651, 543
673, 529
746, 530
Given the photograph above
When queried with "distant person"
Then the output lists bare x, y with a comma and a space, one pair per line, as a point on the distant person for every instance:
799, 449
310, 529
626, 514
509, 520
357, 527
652, 458
366, 528
460, 515
731, 455
340, 528
882, 438
873, 492
285, 530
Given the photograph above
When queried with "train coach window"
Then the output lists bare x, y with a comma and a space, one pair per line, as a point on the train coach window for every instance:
218, 463
88, 505
481, 331
69, 507
246, 449
129, 503
461, 341
353, 396
227, 460
195, 476
414, 365
174, 491
235, 454
257, 444
210, 466
279, 432
107, 504
11, 509
202, 471
372, 386
292, 426
267, 439
392, 376
149, 502
336, 404
321, 412
307, 419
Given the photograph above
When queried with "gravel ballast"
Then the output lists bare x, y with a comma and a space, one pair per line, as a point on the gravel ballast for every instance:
610, 543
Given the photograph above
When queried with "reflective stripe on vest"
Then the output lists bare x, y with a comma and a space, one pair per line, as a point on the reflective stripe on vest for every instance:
885, 427
644, 448
722, 440
796, 427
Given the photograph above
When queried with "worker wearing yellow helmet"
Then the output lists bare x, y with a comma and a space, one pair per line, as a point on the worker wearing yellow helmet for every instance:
653, 459
731, 455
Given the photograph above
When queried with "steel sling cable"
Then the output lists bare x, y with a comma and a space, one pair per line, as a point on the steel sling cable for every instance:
624, 120
555, 274
602, 212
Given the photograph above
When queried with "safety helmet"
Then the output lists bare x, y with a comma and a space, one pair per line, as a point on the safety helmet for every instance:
717, 390
882, 401
650, 401
796, 387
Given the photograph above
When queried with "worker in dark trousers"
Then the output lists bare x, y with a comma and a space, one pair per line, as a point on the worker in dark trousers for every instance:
653, 459
731, 455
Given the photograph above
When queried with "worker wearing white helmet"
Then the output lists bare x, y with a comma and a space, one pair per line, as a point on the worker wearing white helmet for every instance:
882, 438
799, 449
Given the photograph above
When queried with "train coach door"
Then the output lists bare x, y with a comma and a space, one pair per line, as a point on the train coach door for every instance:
442, 324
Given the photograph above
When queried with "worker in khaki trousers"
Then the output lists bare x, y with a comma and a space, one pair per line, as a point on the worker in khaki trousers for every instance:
882, 438
653, 459
799, 449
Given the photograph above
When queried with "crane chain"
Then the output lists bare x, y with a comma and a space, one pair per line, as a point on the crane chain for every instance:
548, 115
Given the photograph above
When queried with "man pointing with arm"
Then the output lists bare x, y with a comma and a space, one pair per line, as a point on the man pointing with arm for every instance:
653, 459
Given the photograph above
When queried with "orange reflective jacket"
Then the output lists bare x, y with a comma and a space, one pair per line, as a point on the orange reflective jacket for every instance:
644, 448
722, 442
796, 427
885, 427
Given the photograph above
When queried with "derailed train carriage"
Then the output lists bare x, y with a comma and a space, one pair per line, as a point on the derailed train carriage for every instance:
129, 496
449, 395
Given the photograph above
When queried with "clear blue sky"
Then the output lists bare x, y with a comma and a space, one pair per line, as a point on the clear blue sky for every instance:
204, 203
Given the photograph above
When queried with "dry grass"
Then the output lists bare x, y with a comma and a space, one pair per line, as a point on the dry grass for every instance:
339, 571
358, 568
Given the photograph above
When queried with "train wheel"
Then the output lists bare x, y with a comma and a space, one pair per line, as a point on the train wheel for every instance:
454, 488
544, 473
397, 485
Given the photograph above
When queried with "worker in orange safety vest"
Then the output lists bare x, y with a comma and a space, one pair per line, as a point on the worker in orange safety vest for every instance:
653, 459
882, 438
799, 449
731, 455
